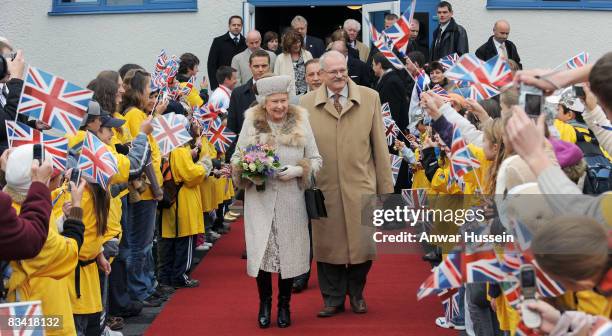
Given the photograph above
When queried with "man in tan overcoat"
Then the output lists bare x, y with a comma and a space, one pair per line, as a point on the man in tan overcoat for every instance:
347, 124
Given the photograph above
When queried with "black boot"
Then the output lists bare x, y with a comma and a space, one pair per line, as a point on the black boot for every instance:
264, 287
284, 297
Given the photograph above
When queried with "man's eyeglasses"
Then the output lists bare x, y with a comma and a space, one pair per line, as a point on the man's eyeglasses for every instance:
339, 72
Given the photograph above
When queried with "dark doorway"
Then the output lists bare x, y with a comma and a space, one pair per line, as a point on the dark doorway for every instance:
322, 20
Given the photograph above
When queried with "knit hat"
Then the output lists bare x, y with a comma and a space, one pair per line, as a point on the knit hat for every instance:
271, 85
568, 154
18, 169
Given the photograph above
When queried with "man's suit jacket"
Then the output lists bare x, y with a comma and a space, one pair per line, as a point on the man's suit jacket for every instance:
489, 50
240, 62
222, 50
241, 99
391, 90
315, 45
359, 72
454, 40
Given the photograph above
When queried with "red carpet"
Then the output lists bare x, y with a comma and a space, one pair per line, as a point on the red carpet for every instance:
226, 302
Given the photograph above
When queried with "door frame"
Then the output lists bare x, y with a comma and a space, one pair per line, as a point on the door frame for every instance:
368, 9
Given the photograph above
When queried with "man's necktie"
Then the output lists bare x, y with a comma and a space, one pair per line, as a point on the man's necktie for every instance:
236, 40
504, 51
337, 104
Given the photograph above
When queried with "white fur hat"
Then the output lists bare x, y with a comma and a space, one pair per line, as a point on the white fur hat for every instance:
18, 169
271, 85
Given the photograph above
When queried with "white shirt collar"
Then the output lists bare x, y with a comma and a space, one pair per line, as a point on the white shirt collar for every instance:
343, 93
443, 26
497, 44
232, 36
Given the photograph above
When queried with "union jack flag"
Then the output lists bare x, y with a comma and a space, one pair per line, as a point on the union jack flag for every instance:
396, 162
449, 60
422, 83
186, 89
415, 198
169, 132
380, 41
21, 310
21, 134
446, 275
54, 101
96, 161
385, 110
437, 89
219, 136
162, 60
578, 61
482, 266
522, 234
523, 330
462, 162
391, 130
512, 292
399, 33
450, 303
485, 78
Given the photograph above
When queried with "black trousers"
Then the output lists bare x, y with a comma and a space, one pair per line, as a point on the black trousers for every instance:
118, 297
175, 259
336, 281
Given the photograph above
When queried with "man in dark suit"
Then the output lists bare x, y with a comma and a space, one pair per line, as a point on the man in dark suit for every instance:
243, 96
449, 37
358, 71
224, 48
313, 44
391, 89
498, 44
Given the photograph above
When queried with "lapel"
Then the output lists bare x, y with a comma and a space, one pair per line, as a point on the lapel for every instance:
491, 50
354, 98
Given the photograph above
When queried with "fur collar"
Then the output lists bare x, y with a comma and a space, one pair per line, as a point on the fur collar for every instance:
16, 196
291, 132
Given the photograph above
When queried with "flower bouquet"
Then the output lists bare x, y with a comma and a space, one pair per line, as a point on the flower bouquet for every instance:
258, 162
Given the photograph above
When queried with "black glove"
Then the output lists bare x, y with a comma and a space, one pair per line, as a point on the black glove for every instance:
74, 228
216, 164
122, 149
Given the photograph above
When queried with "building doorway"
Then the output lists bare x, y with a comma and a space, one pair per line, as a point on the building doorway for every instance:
322, 20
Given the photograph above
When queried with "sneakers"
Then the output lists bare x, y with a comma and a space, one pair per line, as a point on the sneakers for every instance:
203, 247
167, 290
152, 301
189, 283
442, 323
214, 235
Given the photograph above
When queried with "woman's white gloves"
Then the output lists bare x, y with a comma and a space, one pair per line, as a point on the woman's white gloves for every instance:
288, 172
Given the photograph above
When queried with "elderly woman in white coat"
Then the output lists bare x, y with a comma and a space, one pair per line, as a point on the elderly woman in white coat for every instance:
276, 221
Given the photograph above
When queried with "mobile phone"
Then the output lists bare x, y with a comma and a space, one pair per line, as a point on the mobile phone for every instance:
37, 153
10, 56
531, 99
75, 177
528, 290
579, 91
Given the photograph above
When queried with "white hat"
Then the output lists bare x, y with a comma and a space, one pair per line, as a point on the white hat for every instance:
569, 100
19, 169
271, 85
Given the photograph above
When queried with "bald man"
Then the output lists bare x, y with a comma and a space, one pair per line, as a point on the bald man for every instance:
240, 62
498, 44
358, 71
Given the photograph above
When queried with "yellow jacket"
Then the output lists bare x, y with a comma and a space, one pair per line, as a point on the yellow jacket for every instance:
193, 98
134, 119
122, 134
207, 187
190, 219
439, 182
45, 277
566, 131
115, 211
91, 300
587, 301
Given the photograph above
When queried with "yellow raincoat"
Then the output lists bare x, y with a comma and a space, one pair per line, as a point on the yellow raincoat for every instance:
207, 187
45, 278
190, 219
134, 119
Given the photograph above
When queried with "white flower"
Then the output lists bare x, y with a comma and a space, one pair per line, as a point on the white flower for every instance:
245, 166
252, 167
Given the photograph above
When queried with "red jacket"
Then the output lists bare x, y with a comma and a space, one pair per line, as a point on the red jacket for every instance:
23, 236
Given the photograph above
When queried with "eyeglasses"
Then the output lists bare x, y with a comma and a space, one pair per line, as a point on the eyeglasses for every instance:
340, 72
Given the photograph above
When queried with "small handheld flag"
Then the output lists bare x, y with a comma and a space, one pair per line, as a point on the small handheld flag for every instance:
21, 134
169, 132
96, 161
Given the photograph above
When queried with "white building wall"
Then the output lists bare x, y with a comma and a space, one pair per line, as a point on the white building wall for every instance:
79, 46
544, 38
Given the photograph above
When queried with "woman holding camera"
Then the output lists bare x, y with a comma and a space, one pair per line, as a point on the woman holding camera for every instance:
276, 221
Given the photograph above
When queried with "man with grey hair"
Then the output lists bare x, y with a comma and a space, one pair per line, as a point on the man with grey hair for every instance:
498, 44
313, 44
358, 71
240, 62
352, 28
347, 124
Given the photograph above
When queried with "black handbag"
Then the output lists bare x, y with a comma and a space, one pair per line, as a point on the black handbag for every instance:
315, 202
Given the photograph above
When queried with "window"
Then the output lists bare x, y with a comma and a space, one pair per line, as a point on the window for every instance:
62, 7
550, 4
